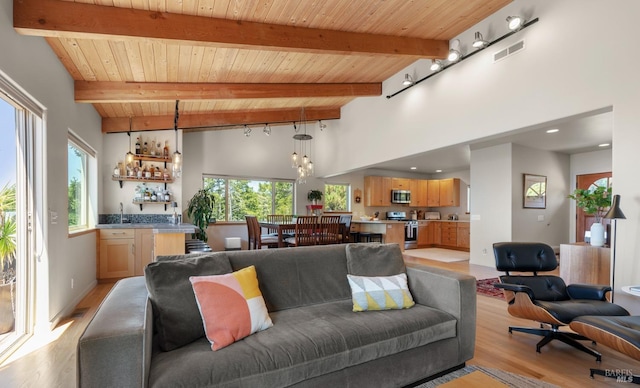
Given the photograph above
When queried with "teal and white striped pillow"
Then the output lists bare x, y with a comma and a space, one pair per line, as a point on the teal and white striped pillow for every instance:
380, 292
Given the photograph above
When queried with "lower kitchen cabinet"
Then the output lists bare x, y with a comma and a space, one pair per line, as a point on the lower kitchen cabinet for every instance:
144, 250
443, 234
449, 234
464, 235
117, 253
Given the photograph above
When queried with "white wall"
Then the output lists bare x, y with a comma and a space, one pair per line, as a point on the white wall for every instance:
30, 62
553, 229
567, 68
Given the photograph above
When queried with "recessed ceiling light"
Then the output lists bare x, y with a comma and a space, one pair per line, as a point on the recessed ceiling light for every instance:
604, 145
554, 130
438, 170
414, 168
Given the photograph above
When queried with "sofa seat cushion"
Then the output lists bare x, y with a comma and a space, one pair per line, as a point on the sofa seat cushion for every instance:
304, 342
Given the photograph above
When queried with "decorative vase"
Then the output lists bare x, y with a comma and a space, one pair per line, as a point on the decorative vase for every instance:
314, 201
597, 234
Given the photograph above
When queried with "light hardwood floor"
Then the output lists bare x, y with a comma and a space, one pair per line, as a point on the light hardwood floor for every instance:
54, 364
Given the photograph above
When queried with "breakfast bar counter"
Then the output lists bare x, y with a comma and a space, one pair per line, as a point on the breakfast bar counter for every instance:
392, 231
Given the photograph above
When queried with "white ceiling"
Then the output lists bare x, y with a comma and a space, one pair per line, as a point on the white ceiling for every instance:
583, 133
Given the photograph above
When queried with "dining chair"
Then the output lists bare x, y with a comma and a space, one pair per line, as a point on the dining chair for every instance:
274, 218
329, 230
345, 228
305, 232
256, 239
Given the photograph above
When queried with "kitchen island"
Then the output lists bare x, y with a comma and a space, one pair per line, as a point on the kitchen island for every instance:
392, 231
124, 250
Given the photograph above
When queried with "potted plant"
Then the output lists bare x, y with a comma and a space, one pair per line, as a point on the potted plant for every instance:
314, 196
200, 211
8, 246
595, 201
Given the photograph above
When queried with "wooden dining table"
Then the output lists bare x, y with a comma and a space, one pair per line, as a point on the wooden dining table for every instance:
290, 227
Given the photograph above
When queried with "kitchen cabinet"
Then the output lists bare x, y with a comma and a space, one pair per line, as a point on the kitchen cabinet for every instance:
425, 234
449, 192
433, 193
419, 192
400, 183
143, 250
449, 234
117, 253
463, 235
437, 232
377, 191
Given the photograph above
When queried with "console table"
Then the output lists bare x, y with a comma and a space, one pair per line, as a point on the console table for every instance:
584, 263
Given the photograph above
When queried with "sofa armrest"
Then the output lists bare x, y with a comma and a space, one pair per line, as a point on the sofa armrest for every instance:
452, 292
115, 348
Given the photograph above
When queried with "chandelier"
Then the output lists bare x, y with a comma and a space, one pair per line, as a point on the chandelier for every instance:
302, 143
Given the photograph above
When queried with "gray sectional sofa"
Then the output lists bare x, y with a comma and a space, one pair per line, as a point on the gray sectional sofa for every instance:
316, 339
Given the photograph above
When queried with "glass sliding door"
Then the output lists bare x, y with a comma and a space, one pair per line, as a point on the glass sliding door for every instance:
17, 128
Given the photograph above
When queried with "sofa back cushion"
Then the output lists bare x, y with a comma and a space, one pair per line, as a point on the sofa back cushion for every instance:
300, 276
176, 315
375, 260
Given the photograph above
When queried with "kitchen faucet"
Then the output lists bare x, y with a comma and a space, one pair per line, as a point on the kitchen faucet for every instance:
121, 210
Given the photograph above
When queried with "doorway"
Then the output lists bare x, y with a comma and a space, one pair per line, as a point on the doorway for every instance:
589, 181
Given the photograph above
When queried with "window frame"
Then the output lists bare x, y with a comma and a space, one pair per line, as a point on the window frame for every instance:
347, 190
89, 176
227, 197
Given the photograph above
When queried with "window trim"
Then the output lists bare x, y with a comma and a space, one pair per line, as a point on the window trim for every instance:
348, 190
77, 142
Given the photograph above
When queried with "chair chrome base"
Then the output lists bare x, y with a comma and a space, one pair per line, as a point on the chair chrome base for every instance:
555, 334
616, 374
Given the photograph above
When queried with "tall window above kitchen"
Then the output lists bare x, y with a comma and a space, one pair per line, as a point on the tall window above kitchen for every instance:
336, 197
236, 197
81, 171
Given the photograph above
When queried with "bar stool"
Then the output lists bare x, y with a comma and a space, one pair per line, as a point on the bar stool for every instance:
369, 237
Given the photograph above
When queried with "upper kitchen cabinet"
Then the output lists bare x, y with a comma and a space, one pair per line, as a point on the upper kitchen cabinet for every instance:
449, 192
377, 191
400, 183
433, 193
419, 188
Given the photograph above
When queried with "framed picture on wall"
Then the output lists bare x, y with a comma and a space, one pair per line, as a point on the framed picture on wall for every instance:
535, 191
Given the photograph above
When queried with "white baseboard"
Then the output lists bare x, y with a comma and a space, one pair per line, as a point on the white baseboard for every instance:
68, 310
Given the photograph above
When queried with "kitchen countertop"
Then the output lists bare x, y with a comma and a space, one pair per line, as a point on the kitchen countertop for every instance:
443, 220
377, 222
157, 227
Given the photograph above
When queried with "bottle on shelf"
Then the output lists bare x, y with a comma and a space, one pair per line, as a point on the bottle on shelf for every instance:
145, 148
146, 172
152, 148
138, 147
166, 174
165, 152
138, 172
116, 171
157, 174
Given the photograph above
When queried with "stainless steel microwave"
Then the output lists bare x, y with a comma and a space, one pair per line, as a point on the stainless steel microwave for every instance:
400, 196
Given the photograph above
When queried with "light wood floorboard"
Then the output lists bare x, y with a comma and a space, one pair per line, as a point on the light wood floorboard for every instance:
54, 364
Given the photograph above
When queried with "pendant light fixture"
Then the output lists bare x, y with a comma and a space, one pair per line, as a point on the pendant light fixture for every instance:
129, 157
176, 160
304, 166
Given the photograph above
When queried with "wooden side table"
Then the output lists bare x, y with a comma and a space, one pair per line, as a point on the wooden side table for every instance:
583, 263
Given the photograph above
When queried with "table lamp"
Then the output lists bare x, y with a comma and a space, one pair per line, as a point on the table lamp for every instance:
614, 213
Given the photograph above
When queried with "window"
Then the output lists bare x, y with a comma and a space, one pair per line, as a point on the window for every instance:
336, 197
80, 159
237, 197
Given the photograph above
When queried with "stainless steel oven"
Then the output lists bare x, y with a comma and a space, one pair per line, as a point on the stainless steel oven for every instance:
410, 228
400, 196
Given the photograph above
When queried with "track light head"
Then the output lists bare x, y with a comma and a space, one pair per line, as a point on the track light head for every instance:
436, 65
267, 130
247, 131
454, 52
479, 41
515, 22
408, 80
321, 125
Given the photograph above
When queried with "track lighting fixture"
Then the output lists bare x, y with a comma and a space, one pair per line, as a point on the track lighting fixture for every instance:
408, 80
479, 42
454, 52
267, 130
515, 22
247, 131
321, 125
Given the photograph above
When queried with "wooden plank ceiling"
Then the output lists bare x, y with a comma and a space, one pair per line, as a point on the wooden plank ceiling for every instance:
235, 62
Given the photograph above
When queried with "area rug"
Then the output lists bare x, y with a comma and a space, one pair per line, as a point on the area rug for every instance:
510, 379
438, 254
485, 287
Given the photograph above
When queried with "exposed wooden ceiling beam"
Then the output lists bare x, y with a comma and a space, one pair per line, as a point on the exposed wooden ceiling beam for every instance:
106, 92
54, 18
205, 122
